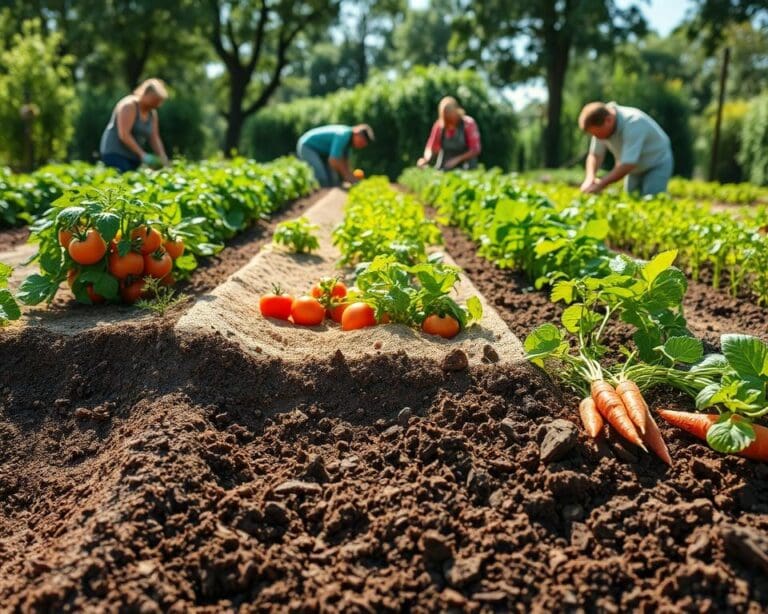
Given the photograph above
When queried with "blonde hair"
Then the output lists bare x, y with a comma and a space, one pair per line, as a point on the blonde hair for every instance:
448, 103
154, 86
593, 114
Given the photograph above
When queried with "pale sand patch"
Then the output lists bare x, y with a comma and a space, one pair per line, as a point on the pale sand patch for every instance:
232, 309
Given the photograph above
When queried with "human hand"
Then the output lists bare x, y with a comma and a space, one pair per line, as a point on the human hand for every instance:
422, 162
587, 185
593, 188
150, 160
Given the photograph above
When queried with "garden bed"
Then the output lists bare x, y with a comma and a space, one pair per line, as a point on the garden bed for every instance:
162, 472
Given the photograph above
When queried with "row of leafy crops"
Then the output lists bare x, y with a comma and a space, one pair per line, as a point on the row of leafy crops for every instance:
106, 240
735, 193
23, 197
602, 290
718, 247
9, 308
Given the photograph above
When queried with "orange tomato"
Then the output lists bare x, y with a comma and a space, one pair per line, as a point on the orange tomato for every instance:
274, 305
358, 315
444, 326
149, 239
123, 266
174, 248
89, 250
132, 292
358, 173
307, 311
337, 311
65, 237
337, 289
158, 264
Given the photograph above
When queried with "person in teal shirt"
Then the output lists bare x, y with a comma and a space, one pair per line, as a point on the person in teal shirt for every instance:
326, 150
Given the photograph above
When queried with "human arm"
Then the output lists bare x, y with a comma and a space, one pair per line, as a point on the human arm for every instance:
156, 142
126, 116
341, 166
618, 172
432, 147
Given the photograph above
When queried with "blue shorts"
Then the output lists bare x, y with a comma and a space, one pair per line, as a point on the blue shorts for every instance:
121, 163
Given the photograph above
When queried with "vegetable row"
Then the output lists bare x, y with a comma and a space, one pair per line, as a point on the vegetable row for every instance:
564, 249
105, 241
386, 236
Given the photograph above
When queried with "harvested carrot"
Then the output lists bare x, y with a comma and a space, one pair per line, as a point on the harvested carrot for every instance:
698, 425
609, 404
590, 417
637, 408
653, 439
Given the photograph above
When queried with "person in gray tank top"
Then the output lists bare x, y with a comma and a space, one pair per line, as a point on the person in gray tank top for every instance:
454, 141
642, 150
132, 127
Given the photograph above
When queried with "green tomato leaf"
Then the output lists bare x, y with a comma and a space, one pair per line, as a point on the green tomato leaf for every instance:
730, 435
595, 229
70, 216
107, 224
578, 317
711, 361
9, 309
36, 288
187, 262
103, 283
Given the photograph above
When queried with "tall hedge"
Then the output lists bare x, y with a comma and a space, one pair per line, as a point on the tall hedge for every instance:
401, 112
754, 141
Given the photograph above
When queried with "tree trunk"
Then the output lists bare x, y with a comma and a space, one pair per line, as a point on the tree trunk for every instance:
235, 115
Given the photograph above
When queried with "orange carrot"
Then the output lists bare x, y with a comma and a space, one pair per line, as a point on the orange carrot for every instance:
654, 440
698, 425
590, 418
609, 404
633, 400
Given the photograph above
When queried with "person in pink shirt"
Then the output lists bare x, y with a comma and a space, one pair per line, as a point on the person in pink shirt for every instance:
455, 139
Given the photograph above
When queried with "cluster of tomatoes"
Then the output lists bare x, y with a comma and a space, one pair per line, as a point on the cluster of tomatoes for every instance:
326, 299
149, 255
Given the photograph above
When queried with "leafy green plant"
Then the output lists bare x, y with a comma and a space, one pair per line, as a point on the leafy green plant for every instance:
408, 294
9, 309
298, 235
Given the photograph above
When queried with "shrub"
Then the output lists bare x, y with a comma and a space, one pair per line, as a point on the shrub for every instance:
754, 141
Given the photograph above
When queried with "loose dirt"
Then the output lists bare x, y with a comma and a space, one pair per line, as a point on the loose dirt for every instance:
143, 471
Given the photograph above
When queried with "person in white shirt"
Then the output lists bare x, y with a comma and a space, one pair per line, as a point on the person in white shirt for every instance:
642, 150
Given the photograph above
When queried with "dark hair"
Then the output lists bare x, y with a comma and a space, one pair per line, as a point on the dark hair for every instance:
593, 114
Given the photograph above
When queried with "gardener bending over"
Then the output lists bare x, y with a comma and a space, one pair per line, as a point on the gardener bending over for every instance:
132, 127
641, 148
454, 141
326, 150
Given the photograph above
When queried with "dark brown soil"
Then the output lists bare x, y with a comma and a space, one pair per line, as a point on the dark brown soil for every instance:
140, 472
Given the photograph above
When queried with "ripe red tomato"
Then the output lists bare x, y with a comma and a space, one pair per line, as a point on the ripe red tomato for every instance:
276, 305
337, 311
96, 299
65, 237
158, 264
358, 315
174, 248
90, 250
168, 280
444, 326
307, 311
149, 239
130, 293
123, 266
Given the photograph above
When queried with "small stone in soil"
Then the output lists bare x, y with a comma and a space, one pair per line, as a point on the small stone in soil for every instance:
276, 514
508, 428
392, 432
557, 438
455, 360
490, 354
436, 547
404, 416
463, 571
297, 487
